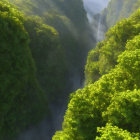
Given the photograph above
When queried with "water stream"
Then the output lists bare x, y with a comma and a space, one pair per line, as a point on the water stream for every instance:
93, 9
100, 30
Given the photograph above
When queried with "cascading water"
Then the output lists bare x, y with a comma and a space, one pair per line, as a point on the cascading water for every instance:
100, 30
93, 8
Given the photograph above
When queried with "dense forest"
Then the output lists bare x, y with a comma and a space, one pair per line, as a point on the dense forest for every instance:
36, 78
54, 65
108, 107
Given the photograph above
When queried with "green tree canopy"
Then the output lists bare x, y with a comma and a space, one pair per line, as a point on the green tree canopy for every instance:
21, 100
114, 133
114, 98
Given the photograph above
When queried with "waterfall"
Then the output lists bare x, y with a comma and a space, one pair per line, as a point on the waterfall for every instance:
100, 30
93, 9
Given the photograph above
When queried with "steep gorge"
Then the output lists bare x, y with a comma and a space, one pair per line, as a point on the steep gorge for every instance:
57, 76
48, 46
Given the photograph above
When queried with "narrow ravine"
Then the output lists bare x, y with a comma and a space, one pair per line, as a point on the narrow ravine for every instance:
43, 131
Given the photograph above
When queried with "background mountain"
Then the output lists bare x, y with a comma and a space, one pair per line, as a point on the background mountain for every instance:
117, 10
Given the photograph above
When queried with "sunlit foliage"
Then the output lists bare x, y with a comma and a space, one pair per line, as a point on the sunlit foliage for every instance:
114, 98
106, 53
123, 110
114, 133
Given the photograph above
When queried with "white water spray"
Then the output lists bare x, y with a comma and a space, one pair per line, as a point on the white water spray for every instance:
100, 30
94, 7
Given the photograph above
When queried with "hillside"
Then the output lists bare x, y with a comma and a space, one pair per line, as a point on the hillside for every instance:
74, 38
20, 94
113, 101
42, 72
119, 9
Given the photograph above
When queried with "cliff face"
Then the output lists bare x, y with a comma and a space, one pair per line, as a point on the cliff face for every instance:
94, 7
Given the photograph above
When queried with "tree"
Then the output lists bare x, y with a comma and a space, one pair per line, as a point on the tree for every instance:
22, 102
114, 133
